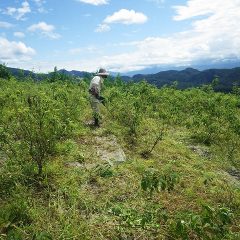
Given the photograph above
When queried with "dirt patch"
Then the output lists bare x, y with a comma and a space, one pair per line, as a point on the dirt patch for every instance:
108, 150
234, 173
233, 180
3, 159
200, 150
102, 149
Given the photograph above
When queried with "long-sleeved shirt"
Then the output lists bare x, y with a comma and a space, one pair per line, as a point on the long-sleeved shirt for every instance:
96, 85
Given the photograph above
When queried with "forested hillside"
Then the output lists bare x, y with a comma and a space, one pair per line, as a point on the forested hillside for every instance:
188, 78
179, 180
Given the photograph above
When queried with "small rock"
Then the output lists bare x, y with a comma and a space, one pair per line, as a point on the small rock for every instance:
201, 151
106, 149
229, 178
74, 164
109, 150
3, 158
87, 166
235, 173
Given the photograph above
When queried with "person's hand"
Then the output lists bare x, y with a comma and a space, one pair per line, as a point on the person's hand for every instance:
102, 100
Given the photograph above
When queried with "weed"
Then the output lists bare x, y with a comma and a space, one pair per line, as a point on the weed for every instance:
153, 180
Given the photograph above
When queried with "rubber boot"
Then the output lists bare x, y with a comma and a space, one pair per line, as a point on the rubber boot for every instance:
96, 122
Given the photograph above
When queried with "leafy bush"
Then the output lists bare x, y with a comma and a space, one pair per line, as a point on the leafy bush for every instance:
153, 180
151, 217
13, 215
4, 73
35, 118
210, 223
41, 120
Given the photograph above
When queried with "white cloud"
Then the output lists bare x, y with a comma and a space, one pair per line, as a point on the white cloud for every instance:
85, 50
5, 25
94, 2
198, 8
75, 51
11, 52
44, 29
18, 13
216, 36
19, 34
102, 28
126, 17
158, 2
40, 4
51, 35
123, 16
87, 15
42, 26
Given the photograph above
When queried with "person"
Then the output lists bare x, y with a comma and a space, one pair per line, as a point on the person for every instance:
95, 97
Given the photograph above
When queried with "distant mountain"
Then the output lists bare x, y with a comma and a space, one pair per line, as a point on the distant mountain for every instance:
25, 73
17, 72
153, 70
191, 77
199, 66
186, 78
74, 73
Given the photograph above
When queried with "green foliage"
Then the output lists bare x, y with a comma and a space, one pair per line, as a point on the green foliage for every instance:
9, 177
210, 223
211, 117
35, 118
4, 72
129, 114
103, 170
236, 89
153, 180
41, 129
13, 215
150, 180
42, 236
152, 217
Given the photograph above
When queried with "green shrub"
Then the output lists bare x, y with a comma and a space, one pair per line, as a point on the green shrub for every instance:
154, 180
14, 214
210, 223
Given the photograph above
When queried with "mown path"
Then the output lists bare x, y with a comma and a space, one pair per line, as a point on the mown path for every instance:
102, 149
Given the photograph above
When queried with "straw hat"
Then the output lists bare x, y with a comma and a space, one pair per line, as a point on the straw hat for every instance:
102, 72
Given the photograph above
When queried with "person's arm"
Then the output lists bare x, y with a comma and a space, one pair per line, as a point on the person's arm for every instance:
94, 90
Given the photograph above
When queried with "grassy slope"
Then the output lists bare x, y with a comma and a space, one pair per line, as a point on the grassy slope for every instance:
78, 203
82, 203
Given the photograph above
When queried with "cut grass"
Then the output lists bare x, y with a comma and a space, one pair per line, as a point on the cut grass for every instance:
78, 204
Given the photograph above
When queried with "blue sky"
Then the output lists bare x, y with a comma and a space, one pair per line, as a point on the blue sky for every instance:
120, 35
